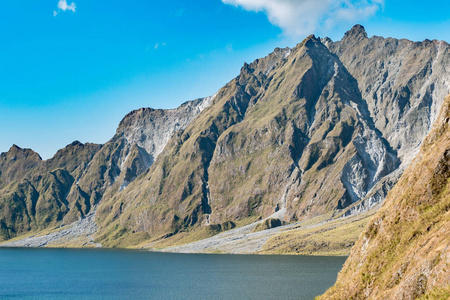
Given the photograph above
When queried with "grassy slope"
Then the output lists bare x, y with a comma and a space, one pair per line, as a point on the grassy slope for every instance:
335, 237
404, 251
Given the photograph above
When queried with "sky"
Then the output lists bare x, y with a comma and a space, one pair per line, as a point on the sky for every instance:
71, 70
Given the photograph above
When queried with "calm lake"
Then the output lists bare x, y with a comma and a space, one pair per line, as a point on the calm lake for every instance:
122, 274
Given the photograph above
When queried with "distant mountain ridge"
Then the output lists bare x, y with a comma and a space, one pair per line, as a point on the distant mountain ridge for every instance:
37, 194
325, 128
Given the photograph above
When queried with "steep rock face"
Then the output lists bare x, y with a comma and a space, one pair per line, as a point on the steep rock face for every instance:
404, 251
402, 82
151, 129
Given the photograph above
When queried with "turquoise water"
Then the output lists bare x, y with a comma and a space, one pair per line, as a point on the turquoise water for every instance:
121, 274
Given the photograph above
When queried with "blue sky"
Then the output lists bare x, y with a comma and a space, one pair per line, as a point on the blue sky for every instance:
71, 70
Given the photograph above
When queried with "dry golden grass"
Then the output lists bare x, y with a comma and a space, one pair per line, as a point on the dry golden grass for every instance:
403, 252
331, 238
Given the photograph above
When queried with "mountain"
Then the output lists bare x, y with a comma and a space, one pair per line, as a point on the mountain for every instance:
403, 252
37, 194
320, 131
34, 193
275, 140
292, 137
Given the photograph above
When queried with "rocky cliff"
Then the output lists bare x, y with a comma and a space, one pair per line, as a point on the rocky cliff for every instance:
402, 82
404, 251
325, 128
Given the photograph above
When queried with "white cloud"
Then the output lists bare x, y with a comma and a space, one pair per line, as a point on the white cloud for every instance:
302, 17
63, 6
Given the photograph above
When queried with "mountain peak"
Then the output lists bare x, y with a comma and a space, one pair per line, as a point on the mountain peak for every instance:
310, 37
16, 151
76, 143
357, 31
14, 147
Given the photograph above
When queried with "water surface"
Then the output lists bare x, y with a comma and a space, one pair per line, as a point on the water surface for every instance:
122, 274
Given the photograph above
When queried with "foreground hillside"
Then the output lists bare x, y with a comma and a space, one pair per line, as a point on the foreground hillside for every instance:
302, 136
404, 252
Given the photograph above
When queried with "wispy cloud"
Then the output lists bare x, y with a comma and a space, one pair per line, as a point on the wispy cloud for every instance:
301, 17
157, 45
63, 6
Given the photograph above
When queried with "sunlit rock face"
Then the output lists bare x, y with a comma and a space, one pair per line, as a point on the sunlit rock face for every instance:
322, 128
